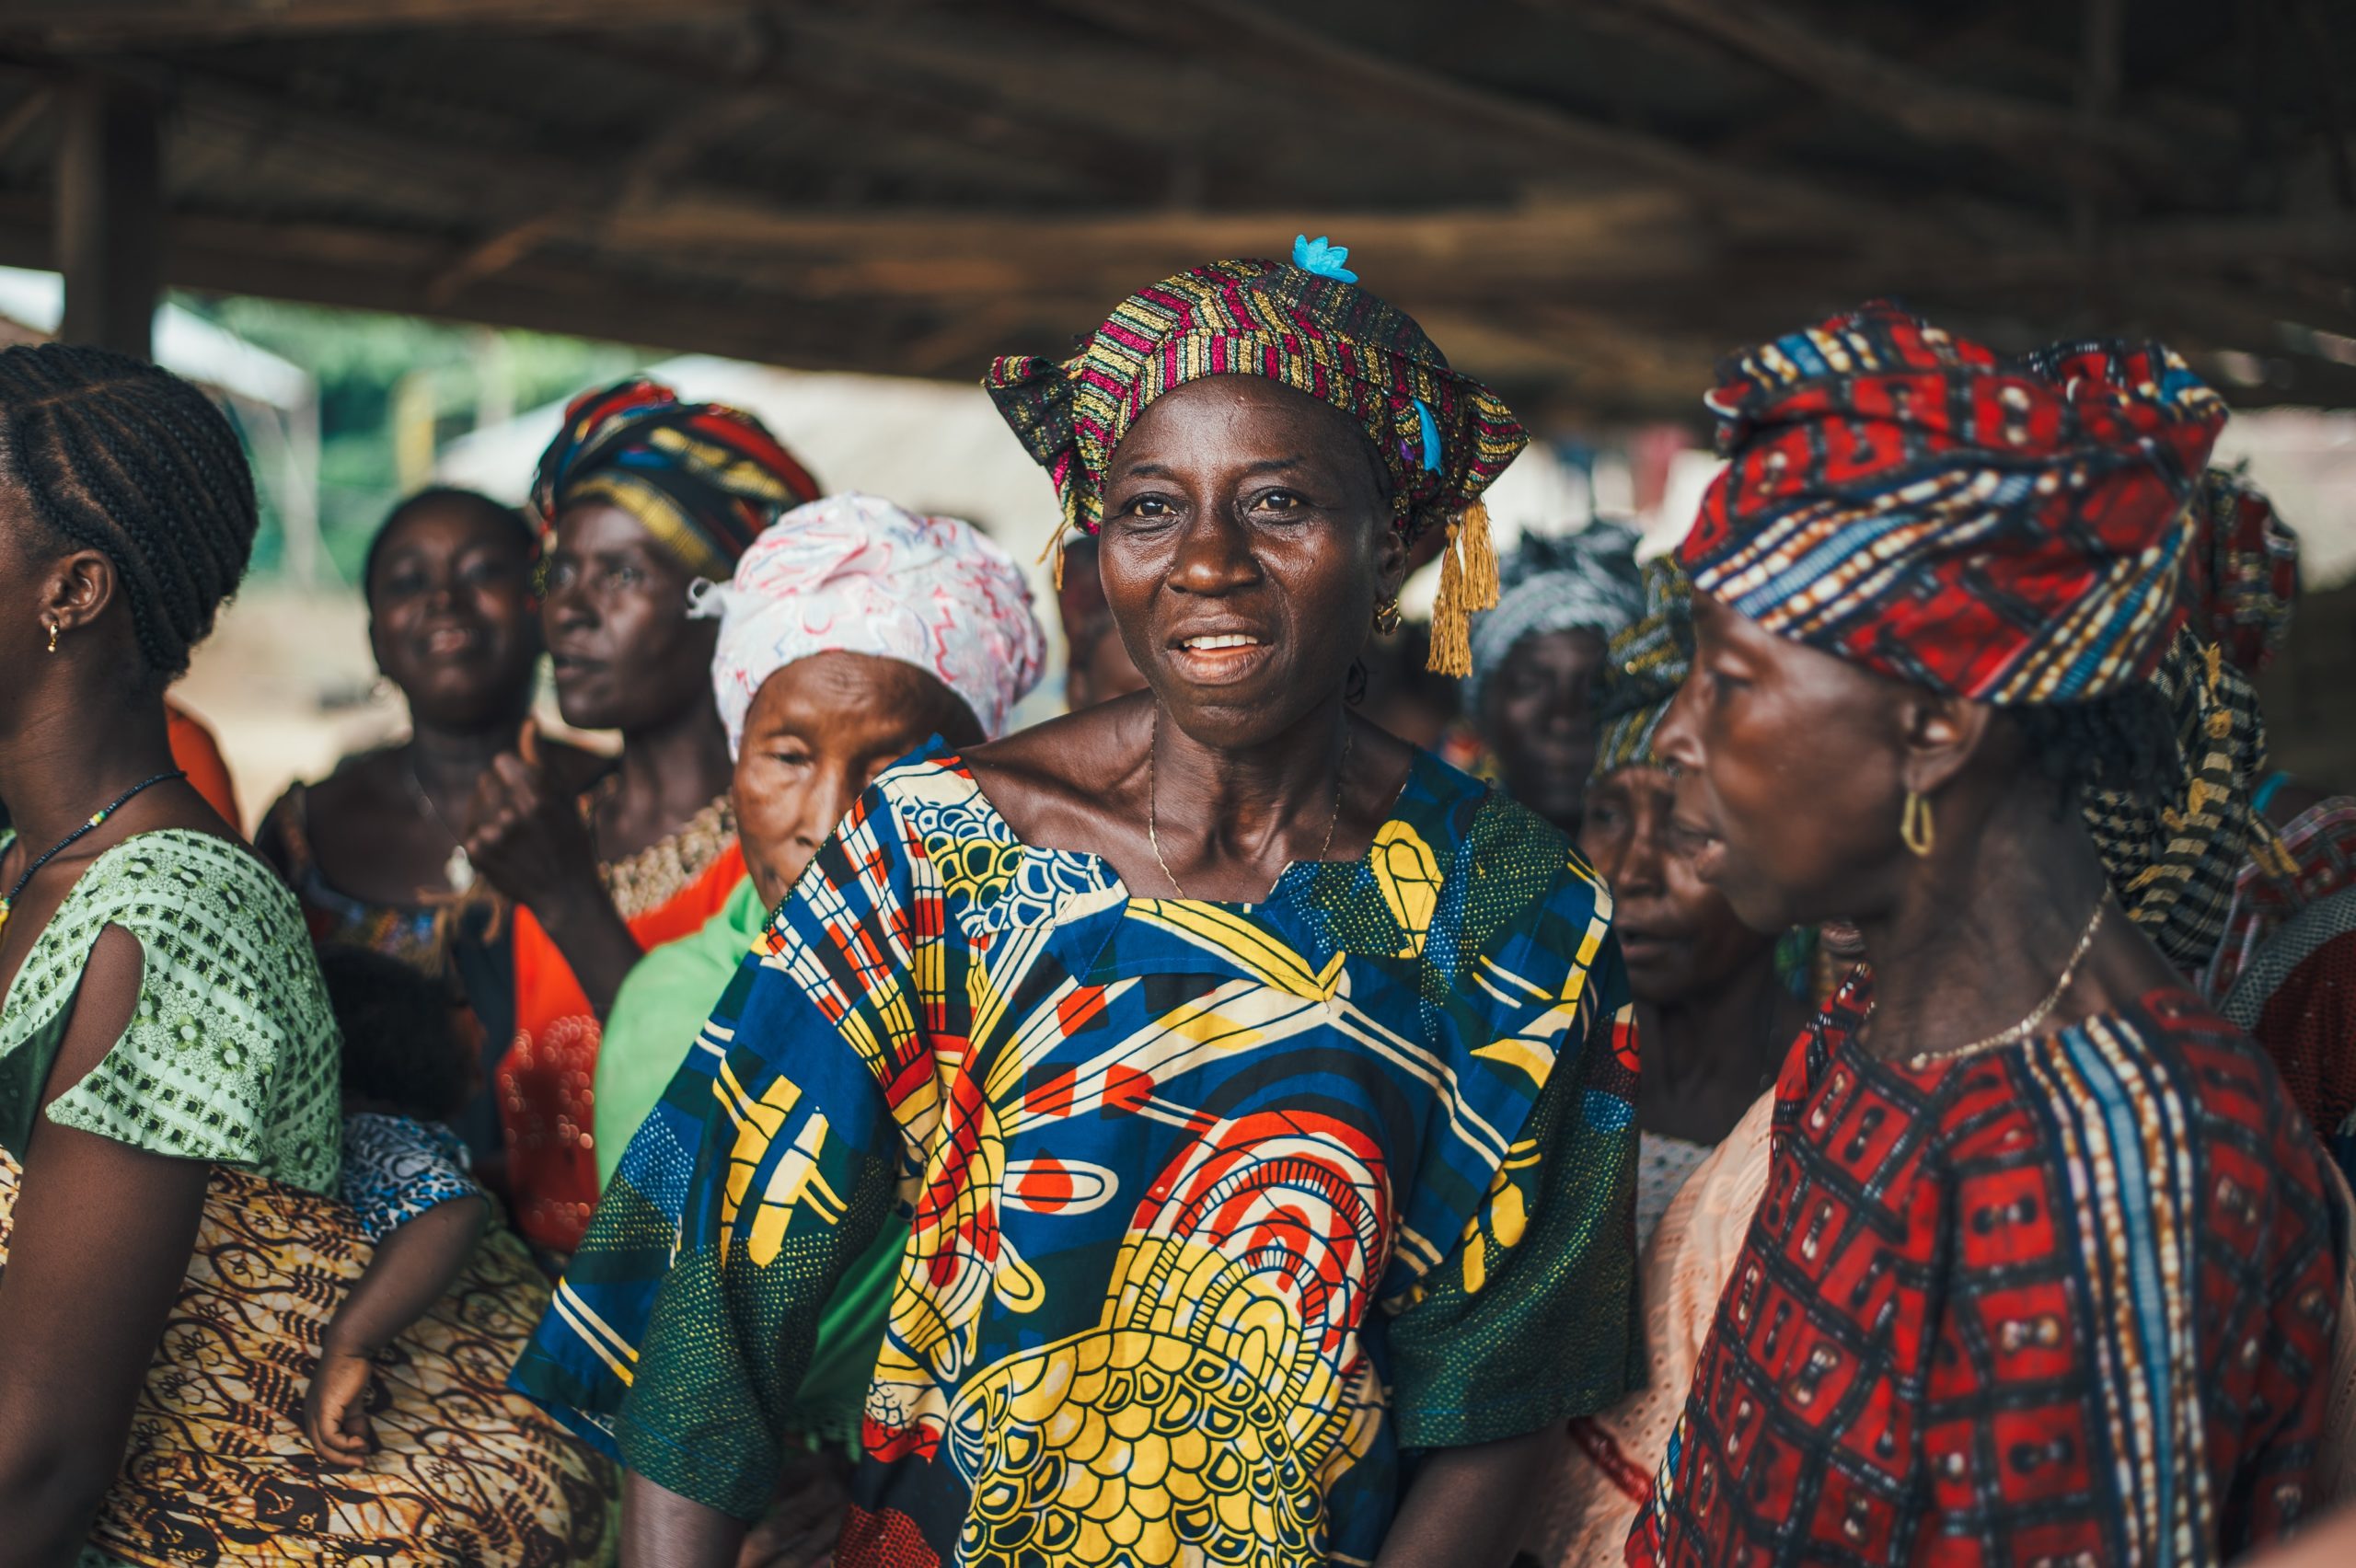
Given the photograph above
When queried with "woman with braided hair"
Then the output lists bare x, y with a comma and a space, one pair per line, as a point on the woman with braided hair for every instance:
169, 1067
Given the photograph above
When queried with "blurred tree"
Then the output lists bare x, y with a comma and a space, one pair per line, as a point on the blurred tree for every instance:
458, 376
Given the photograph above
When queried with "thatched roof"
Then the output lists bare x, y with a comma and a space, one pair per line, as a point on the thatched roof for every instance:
1584, 202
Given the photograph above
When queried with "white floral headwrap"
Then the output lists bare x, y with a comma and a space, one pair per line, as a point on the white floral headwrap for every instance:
854, 573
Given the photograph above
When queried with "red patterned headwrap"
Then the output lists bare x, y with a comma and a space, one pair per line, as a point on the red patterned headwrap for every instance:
2010, 531
2241, 576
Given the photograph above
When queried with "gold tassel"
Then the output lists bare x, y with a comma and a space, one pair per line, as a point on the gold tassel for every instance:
1451, 651
1054, 552
1479, 558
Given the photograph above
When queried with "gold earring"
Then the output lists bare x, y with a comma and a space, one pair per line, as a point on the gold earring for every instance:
1386, 617
1914, 824
52, 636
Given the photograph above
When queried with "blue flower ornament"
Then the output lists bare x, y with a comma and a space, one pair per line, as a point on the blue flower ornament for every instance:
1322, 257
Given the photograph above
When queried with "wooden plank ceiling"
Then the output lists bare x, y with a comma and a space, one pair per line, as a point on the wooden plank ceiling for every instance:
1586, 202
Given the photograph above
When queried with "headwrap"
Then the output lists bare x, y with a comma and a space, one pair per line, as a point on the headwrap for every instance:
2173, 864
853, 574
2241, 576
2008, 532
703, 479
1582, 581
1648, 662
1441, 437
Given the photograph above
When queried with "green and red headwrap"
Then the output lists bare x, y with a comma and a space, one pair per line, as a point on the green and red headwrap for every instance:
2010, 531
703, 479
1441, 437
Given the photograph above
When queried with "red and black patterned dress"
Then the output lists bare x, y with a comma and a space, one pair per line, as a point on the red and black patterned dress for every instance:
2066, 1303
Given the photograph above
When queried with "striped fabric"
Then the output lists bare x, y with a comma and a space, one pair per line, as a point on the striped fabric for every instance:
2175, 862
703, 479
1315, 333
1901, 497
1648, 663
2069, 1301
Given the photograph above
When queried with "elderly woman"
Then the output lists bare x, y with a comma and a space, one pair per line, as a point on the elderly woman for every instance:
1538, 658
169, 1072
1715, 1016
2047, 1265
1260, 1090
643, 495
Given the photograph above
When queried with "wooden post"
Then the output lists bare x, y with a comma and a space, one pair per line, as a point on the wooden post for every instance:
109, 215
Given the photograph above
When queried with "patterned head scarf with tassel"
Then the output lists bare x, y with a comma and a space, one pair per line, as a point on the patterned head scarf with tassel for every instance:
1441, 437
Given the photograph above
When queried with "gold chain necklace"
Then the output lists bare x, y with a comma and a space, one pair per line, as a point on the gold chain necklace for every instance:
2038, 1014
1153, 805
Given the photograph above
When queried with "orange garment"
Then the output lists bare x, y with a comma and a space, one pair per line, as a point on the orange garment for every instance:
547, 1101
196, 754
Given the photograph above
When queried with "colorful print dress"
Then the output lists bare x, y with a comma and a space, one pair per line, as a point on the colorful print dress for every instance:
1214, 1209
2070, 1301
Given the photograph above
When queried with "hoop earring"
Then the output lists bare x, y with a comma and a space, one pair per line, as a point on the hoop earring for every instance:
1914, 825
1386, 617
52, 636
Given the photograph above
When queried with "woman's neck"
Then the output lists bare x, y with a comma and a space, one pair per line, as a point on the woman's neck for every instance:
1240, 801
669, 772
1979, 936
448, 762
59, 767
1708, 1053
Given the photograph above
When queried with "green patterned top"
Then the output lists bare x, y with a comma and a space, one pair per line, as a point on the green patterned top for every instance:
231, 1055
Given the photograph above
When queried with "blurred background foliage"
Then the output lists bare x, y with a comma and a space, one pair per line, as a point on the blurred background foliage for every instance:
392, 389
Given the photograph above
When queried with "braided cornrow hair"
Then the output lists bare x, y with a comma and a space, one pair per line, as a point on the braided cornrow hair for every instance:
119, 456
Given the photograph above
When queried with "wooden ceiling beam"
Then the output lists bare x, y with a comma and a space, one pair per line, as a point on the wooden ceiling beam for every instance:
2091, 150
116, 24
1295, 56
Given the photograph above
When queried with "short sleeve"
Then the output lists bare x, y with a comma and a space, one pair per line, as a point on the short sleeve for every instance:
230, 1054
396, 1168
683, 1327
1533, 1317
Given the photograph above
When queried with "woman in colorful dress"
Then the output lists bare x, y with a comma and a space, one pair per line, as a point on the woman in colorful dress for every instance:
1538, 660
2045, 1267
643, 496
374, 851
169, 1077
1259, 1090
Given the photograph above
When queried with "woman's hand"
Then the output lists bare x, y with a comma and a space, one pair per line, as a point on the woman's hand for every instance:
335, 1413
530, 841
528, 837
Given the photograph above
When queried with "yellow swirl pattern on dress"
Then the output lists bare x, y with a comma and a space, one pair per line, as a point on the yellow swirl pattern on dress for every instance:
1201, 1420
1408, 874
1196, 1432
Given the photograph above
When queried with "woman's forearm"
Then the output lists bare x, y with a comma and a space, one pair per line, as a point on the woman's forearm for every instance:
662, 1529
412, 1270
1468, 1506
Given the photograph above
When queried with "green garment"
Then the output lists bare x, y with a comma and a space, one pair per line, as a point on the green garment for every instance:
657, 1015
231, 1055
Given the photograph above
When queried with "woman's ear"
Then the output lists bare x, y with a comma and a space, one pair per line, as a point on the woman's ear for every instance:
1941, 735
1391, 562
80, 586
